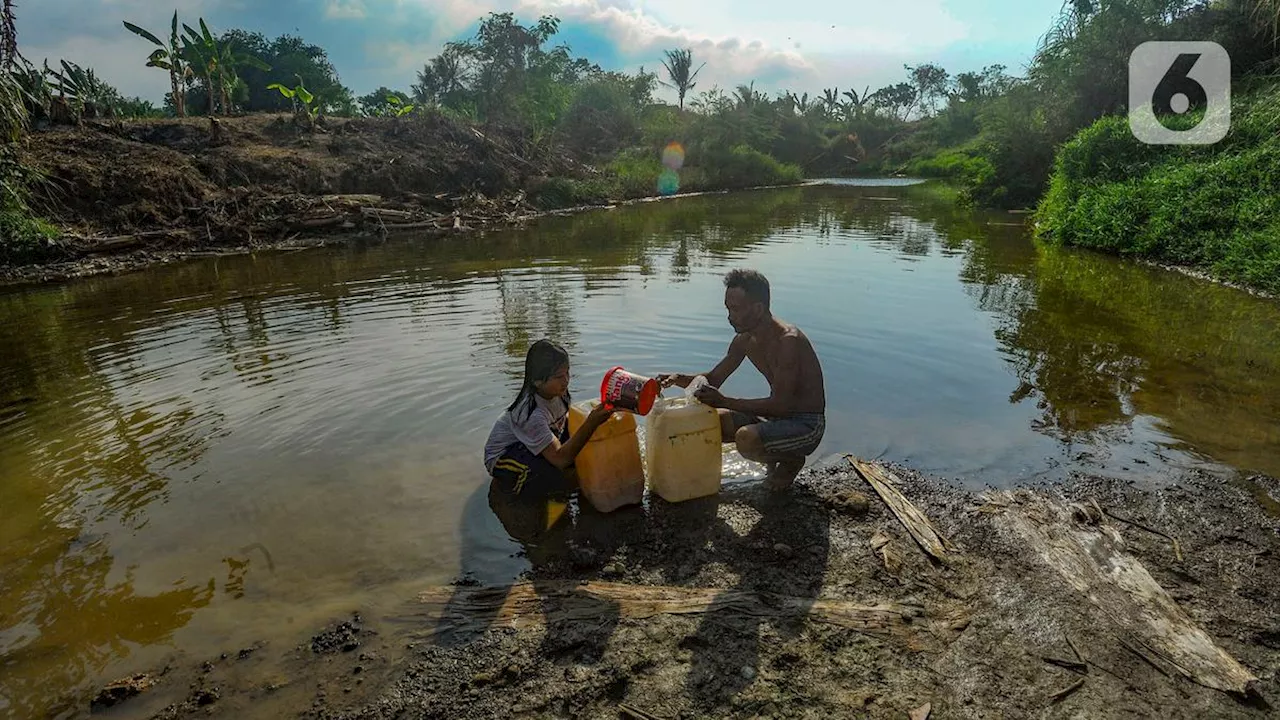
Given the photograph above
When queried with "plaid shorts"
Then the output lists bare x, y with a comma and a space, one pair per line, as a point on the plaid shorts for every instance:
798, 434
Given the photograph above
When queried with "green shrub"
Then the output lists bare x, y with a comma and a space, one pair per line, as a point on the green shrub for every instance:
559, 192
636, 172
1214, 207
24, 238
744, 167
956, 163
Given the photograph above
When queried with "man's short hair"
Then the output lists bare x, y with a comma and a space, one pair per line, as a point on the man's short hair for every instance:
755, 285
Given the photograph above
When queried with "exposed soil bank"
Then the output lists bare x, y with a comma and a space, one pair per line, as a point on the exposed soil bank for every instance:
969, 638
128, 194
131, 194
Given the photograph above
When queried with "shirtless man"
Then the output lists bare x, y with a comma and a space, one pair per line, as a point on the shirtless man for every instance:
786, 427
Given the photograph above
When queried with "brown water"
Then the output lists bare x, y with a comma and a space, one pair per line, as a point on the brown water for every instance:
197, 457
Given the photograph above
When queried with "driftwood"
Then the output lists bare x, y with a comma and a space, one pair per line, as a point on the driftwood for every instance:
916, 523
524, 605
1177, 547
116, 243
380, 213
1093, 560
1072, 665
636, 713
1067, 690
315, 223
881, 544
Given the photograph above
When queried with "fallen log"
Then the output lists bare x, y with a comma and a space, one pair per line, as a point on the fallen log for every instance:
916, 522
525, 605
379, 213
314, 223
425, 225
1092, 559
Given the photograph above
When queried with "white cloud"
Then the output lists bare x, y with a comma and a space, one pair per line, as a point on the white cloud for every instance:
345, 10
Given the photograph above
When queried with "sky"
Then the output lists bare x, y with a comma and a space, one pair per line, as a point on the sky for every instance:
799, 45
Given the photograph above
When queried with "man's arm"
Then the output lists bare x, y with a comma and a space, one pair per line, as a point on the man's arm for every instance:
782, 391
732, 360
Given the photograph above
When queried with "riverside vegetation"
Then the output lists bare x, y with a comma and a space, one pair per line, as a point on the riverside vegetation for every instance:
530, 126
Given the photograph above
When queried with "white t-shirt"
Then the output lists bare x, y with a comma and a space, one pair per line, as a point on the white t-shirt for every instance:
536, 430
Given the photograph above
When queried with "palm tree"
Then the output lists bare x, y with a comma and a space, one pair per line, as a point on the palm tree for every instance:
856, 102
831, 99
441, 78
797, 104
168, 57
678, 65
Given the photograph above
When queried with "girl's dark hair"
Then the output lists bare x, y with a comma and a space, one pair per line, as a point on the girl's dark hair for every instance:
540, 363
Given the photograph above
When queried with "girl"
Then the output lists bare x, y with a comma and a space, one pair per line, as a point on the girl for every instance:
529, 448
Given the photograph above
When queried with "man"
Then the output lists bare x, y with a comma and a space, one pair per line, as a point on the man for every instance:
786, 427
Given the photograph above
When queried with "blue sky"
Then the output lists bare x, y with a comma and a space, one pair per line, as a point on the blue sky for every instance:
804, 45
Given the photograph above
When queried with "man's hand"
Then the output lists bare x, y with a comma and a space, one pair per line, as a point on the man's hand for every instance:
708, 395
666, 380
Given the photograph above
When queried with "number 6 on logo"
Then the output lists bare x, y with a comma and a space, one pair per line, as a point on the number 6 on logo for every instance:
1170, 79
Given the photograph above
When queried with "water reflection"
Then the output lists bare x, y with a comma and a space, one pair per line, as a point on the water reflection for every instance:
1103, 343
152, 424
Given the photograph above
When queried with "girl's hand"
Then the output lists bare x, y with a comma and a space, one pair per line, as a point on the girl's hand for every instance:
599, 414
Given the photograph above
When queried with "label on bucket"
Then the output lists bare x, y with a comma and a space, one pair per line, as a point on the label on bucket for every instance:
625, 391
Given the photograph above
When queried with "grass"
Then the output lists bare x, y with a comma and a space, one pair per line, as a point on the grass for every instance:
1215, 208
24, 238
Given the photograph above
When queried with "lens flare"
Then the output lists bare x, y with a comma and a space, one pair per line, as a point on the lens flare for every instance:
673, 156
668, 182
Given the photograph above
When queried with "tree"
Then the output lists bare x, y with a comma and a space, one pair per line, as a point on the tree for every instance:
746, 97
167, 57
856, 103
831, 100
898, 99
930, 82
442, 80
8, 37
291, 60
679, 63
376, 103
229, 64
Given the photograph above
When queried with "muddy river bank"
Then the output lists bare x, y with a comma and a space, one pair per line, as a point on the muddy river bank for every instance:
807, 604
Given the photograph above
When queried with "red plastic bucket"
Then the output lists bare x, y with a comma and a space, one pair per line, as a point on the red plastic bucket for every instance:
627, 391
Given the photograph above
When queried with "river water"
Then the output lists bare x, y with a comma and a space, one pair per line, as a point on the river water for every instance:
200, 456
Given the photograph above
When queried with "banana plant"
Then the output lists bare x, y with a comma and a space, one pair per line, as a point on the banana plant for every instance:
200, 50
168, 57
397, 107
228, 61
82, 88
296, 95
